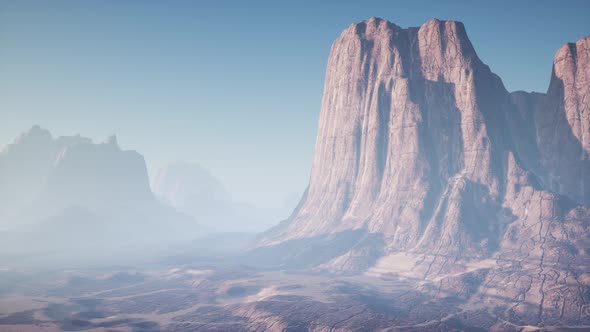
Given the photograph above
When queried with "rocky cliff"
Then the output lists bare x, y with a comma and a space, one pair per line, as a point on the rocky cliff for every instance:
442, 172
563, 124
412, 140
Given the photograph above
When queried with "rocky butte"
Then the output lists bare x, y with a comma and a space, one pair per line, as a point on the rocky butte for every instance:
427, 167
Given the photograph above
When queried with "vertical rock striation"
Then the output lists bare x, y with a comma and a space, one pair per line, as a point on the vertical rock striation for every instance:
563, 124
410, 141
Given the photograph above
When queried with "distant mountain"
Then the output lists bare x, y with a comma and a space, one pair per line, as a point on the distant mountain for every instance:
426, 166
71, 188
25, 167
191, 189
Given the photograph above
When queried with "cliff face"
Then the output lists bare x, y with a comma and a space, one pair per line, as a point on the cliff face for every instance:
421, 149
411, 141
563, 125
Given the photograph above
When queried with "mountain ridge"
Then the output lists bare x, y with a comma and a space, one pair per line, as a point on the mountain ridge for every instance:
71, 193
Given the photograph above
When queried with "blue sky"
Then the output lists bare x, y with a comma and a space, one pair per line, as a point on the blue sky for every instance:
233, 85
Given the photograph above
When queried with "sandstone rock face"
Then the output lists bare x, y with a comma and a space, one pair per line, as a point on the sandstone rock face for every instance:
419, 142
410, 138
563, 125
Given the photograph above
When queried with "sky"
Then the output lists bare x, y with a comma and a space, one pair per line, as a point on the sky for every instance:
233, 85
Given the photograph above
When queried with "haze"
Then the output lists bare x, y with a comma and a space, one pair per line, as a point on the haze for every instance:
291, 167
235, 87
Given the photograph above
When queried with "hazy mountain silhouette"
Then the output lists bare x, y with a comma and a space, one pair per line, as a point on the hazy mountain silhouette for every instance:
69, 192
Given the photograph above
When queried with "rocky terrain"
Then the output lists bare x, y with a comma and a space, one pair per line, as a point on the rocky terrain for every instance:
427, 167
205, 297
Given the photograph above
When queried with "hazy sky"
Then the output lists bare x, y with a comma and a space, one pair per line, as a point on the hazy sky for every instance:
235, 86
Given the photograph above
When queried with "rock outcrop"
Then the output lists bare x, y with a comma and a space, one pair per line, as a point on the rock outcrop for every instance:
563, 124
411, 141
420, 143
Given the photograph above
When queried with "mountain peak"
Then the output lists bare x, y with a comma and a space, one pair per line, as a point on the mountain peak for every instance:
389, 91
571, 49
36, 133
369, 26
375, 19
112, 140
436, 21
437, 50
35, 128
